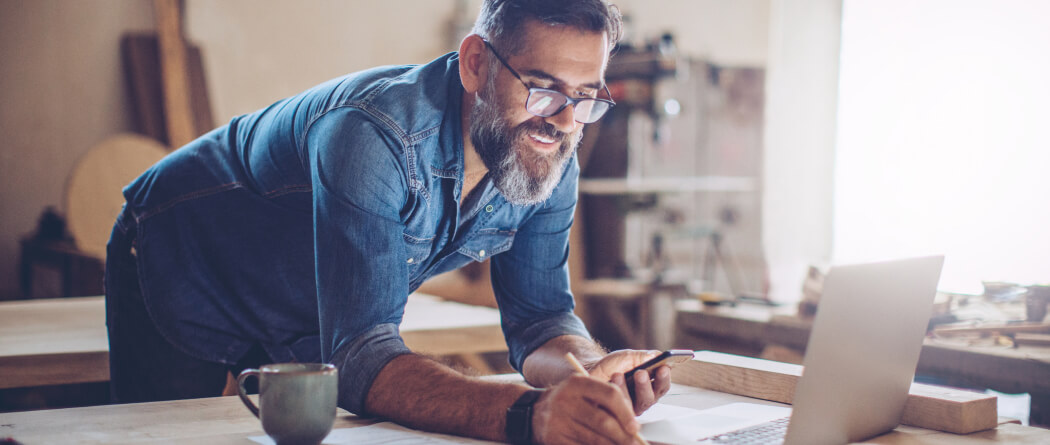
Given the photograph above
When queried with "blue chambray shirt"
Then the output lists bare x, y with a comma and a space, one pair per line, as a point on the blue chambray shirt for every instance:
305, 225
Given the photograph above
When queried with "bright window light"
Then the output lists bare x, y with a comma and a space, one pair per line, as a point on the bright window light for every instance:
944, 137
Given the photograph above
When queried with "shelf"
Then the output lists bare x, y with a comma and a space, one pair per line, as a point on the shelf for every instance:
621, 186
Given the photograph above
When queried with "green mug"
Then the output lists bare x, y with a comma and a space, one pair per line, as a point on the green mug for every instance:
296, 400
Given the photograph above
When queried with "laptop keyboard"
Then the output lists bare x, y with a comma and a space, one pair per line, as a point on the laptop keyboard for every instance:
771, 432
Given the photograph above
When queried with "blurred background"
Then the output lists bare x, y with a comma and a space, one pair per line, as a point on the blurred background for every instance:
851, 130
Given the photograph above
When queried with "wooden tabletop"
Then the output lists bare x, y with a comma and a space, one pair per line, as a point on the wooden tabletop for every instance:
224, 420
64, 340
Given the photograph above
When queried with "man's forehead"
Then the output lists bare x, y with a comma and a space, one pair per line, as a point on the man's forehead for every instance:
563, 55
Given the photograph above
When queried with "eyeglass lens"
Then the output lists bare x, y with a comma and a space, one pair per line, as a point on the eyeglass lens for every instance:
547, 103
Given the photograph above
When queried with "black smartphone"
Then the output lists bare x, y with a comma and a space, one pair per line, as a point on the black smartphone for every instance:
669, 357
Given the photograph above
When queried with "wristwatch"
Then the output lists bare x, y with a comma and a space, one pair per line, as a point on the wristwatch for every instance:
519, 418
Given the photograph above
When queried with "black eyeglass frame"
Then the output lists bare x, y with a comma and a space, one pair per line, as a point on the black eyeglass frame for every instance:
568, 99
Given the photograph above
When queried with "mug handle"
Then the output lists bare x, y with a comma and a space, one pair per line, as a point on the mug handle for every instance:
244, 392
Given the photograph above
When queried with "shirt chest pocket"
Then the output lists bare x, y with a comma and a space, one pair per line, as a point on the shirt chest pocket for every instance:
488, 242
417, 249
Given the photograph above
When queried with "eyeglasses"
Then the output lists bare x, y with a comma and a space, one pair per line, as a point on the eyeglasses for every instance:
545, 102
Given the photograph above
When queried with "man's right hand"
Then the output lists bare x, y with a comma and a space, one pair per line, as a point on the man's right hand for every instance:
583, 410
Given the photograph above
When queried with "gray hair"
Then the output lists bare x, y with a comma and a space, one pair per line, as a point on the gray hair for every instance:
501, 21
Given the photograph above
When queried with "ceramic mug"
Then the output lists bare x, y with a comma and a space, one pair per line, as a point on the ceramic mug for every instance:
296, 400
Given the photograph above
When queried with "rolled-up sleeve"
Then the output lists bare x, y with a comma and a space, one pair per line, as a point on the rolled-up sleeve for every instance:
358, 185
531, 280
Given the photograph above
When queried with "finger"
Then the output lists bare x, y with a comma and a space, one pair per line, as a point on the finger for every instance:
620, 382
609, 398
598, 426
643, 392
662, 384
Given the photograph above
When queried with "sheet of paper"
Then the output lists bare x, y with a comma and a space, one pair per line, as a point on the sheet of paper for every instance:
688, 428
663, 411
385, 433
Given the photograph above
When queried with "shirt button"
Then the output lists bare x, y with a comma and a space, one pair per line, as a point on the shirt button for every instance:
481, 254
488, 208
411, 260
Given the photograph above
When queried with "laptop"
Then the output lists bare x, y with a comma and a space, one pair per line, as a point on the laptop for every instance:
858, 366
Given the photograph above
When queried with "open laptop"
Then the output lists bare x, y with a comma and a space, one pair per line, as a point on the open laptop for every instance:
858, 366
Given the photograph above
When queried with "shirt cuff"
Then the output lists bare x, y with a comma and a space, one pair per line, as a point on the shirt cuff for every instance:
521, 342
360, 361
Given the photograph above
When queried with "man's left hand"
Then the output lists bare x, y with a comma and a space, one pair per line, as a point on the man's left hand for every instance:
648, 388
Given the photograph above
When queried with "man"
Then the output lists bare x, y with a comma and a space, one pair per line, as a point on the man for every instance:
298, 232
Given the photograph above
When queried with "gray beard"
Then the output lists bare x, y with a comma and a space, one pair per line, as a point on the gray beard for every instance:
521, 174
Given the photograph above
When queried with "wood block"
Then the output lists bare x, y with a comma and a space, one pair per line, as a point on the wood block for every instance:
736, 374
931, 407
951, 410
1032, 339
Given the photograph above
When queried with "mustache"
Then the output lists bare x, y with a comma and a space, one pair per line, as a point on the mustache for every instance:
544, 129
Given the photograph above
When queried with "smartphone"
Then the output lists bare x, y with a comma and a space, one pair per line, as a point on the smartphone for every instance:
669, 357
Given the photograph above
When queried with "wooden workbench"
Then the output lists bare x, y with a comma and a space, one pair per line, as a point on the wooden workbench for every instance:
224, 420
64, 340
748, 329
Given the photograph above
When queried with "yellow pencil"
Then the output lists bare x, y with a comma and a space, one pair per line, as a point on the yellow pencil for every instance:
583, 371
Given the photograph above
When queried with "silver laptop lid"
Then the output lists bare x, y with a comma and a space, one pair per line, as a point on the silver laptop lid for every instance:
863, 350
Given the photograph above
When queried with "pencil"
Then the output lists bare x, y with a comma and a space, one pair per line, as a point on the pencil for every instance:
583, 371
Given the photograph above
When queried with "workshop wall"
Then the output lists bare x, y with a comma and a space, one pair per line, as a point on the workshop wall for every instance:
62, 85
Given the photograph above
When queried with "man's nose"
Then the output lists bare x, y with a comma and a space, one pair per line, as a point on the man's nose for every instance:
564, 121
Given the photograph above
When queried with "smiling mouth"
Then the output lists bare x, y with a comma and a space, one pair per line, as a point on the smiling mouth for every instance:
542, 139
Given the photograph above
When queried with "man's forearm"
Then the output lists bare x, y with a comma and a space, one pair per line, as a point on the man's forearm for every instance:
547, 366
421, 393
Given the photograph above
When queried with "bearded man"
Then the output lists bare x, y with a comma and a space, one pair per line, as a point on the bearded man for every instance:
296, 233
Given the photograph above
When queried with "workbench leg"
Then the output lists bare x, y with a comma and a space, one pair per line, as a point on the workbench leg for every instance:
1039, 410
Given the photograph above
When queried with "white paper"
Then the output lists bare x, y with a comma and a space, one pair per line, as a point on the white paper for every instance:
663, 411
384, 433
687, 429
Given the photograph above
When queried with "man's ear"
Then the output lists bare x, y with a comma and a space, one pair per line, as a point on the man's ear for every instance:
473, 68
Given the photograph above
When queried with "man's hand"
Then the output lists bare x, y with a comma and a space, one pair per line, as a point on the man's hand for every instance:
584, 410
647, 388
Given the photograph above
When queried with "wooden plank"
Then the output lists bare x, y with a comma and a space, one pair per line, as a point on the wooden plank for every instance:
141, 55
1032, 339
174, 73
142, 74
951, 410
931, 407
200, 102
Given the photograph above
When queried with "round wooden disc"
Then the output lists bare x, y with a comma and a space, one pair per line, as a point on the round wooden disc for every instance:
94, 191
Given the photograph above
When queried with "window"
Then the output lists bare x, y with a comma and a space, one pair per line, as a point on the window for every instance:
944, 137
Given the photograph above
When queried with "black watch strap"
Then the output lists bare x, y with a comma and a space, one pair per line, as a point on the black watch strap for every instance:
519, 418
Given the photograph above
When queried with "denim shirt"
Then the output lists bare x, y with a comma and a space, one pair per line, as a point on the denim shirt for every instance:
304, 226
